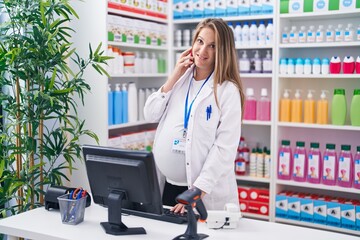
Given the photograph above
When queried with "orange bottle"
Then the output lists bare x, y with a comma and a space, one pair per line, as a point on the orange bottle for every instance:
322, 109
296, 107
285, 107
309, 108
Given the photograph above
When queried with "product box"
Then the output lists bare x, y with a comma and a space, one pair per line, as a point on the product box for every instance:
198, 8
347, 5
187, 9
258, 208
259, 195
348, 217
307, 208
114, 142
281, 205
231, 8
244, 205
357, 214
243, 193
294, 206
209, 8
243, 7
255, 7
296, 6
334, 213
320, 210
321, 5
220, 8
267, 6
178, 7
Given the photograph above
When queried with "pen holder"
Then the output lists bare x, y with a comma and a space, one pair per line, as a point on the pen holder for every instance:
72, 210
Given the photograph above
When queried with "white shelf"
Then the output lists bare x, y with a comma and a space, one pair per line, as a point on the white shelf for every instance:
254, 47
318, 126
124, 125
255, 216
227, 19
252, 179
256, 122
317, 45
143, 75
324, 76
317, 186
321, 15
137, 46
318, 226
136, 15
255, 75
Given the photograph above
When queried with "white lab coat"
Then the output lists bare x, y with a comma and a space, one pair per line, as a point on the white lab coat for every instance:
211, 145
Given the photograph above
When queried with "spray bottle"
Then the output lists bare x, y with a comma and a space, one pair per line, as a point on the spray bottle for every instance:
296, 107
322, 109
244, 63
285, 107
309, 108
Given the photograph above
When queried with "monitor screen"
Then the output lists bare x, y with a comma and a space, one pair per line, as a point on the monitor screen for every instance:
126, 175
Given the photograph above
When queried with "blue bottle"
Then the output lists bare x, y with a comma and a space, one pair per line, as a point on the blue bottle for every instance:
117, 106
110, 106
124, 108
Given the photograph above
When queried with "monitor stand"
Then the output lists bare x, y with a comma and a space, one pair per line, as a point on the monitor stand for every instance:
115, 226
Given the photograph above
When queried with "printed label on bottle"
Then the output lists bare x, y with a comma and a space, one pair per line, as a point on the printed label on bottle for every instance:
313, 168
284, 164
344, 169
240, 167
357, 171
299, 165
329, 168
358, 35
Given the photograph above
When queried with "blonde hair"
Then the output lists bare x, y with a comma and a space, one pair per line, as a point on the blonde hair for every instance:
226, 67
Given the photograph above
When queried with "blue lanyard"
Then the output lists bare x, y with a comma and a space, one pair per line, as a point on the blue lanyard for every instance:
188, 111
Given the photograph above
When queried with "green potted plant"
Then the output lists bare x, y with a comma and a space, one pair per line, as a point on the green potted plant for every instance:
41, 128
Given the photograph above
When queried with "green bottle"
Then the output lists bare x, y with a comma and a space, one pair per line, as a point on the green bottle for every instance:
355, 108
338, 107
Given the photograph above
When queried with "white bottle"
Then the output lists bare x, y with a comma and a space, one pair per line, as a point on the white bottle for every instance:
132, 103
244, 63
290, 67
253, 33
147, 63
256, 63
330, 34
299, 66
283, 66
261, 33
339, 33
285, 35
267, 63
238, 35
320, 34
120, 64
269, 33
245, 34
110, 67
358, 33
349, 33
311, 34
232, 28
141, 104
293, 36
302, 34
154, 66
307, 66
138, 63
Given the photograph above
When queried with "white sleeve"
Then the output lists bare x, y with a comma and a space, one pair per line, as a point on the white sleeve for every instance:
155, 105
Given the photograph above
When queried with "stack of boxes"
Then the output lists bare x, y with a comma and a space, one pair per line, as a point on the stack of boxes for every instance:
254, 200
303, 6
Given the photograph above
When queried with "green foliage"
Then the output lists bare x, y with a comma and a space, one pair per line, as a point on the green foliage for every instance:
39, 99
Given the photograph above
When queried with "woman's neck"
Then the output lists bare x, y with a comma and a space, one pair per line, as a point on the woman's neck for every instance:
201, 74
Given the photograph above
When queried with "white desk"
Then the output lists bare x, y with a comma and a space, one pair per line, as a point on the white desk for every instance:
40, 224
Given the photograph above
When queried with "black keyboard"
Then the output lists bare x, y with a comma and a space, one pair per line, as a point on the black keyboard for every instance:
167, 215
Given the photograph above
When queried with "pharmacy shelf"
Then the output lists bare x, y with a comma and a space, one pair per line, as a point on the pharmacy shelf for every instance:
124, 125
227, 19
256, 122
254, 47
318, 226
320, 45
256, 75
318, 126
252, 179
142, 75
137, 46
255, 216
321, 15
317, 186
324, 76
114, 8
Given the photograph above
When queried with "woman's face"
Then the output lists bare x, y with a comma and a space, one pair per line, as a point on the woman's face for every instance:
204, 50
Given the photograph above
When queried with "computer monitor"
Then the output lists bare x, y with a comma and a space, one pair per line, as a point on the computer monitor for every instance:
119, 179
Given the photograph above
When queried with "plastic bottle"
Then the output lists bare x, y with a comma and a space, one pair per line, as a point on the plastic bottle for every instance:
267, 63
132, 103
290, 66
316, 67
244, 63
285, 35
283, 66
250, 105
320, 34
325, 66
355, 108
310, 38
314, 164
307, 66
245, 34
302, 34
261, 33
335, 65
330, 34
285, 162
309, 108
285, 107
147, 63
118, 105
357, 65
252, 163
357, 168
110, 67
141, 94
358, 33
330, 165
259, 163
240, 165
338, 107
256, 63
154, 62
138, 63
296, 107
322, 109
299, 66
339, 33
263, 106
124, 104
253, 33
299, 162
269, 33
237, 34
110, 106
232, 28
348, 65
349, 33
345, 167
267, 165
293, 36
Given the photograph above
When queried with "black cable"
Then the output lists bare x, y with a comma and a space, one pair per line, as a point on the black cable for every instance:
225, 223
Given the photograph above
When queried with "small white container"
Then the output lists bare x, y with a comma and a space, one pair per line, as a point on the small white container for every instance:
129, 57
129, 68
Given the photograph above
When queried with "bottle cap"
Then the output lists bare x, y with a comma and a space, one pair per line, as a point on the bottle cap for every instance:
339, 91
300, 144
261, 21
307, 61
356, 91
345, 147
270, 21
310, 95
297, 93
285, 142
249, 92
283, 61
335, 59
325, 61
348, 59
290, 61
330, 146
316, 61
264, 92
358, 148
299, 61
314, 145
